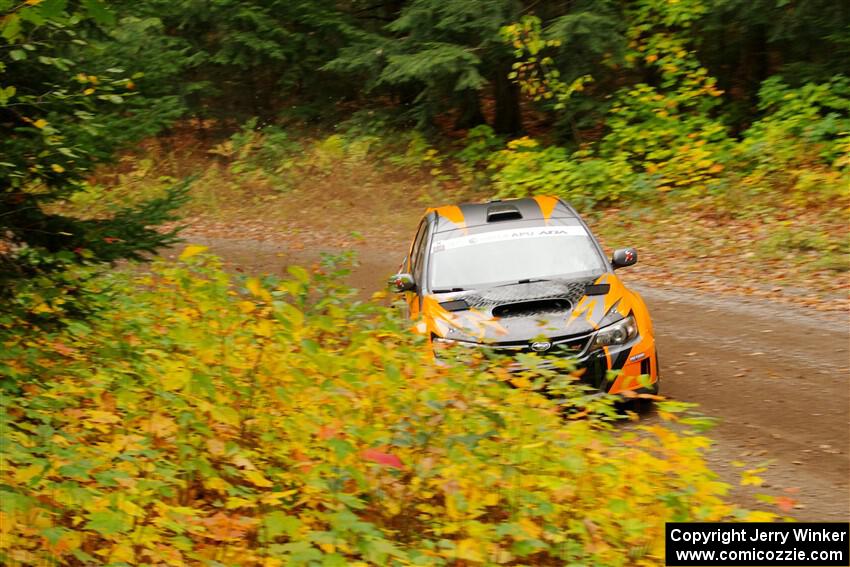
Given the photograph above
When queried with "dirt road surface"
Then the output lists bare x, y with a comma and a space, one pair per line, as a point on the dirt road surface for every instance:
776, 377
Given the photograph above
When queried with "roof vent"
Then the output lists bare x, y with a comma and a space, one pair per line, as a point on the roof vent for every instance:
497, 213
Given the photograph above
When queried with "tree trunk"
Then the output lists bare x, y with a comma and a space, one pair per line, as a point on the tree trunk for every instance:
508, 119
470, 114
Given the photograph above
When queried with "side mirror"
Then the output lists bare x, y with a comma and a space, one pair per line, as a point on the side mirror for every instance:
402, 282
624, 257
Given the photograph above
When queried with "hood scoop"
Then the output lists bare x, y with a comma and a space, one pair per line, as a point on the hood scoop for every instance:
527, 292
532, 308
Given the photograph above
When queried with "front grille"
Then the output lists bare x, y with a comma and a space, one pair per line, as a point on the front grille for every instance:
562, 347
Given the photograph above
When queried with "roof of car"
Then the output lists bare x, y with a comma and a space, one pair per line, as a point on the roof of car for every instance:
541, 207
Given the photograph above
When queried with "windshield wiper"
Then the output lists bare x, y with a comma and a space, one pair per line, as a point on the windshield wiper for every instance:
449, 290
527, 280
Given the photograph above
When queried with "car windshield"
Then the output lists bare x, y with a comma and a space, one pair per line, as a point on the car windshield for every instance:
507, 256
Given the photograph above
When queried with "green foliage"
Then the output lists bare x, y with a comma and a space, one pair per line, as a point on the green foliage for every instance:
54, 111
247, 56
800, 145
814, 116
473, 158
680, 149
668, 137
208, 420
157, 64
255, 151
525, 167
533, 70
62, 112
478, 144
443, 53
417, 153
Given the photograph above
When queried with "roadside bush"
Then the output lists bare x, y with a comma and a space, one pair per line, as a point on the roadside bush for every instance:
795, 156
480, 142
669, 138
372, 122
679, 149
817, 115
134, 181
269, 157
525, 167
801, 145
270, 154
473, 158
207, 420
259, 153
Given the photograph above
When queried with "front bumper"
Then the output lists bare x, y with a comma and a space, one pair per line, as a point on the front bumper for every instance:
617, 369
614, 369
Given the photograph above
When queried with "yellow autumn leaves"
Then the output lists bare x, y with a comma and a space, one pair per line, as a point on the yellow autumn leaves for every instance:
207, 419
192, 250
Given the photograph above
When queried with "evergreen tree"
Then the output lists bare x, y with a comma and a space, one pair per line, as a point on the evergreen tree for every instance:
446, 52
62, 112
744, 42
252, 58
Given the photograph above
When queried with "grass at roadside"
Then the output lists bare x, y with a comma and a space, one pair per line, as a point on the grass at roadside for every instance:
801, 260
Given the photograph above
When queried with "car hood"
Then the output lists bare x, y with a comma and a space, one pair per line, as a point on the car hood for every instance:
524, 312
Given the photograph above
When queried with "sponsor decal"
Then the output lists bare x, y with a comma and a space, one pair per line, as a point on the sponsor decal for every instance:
503, 235
637, 357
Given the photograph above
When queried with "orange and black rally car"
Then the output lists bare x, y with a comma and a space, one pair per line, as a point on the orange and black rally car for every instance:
525, 276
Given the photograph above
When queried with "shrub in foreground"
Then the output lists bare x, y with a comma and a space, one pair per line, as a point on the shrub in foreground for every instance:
201, 420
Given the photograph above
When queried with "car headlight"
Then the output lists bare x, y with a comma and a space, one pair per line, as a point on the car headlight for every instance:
619, 333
